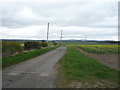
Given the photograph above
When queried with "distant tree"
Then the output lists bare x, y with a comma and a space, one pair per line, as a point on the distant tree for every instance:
43, 40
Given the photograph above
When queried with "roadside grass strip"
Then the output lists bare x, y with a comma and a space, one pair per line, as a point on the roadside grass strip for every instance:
7, 61
77, 67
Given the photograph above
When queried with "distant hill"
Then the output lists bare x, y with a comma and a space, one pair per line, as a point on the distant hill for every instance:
70, 40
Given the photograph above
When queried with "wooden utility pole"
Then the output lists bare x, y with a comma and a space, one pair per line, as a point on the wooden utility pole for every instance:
61, 37
47, 32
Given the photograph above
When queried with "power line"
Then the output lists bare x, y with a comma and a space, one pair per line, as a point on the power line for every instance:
85, 37
35, 5
38, 9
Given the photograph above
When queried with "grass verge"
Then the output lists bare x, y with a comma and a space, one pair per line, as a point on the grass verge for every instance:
24, 56
81, 71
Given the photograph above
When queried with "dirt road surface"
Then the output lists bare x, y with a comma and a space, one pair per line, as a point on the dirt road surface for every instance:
38, 72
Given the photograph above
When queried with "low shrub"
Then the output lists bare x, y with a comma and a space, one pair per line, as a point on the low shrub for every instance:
44, 44
11, 48
55, 43
32, 45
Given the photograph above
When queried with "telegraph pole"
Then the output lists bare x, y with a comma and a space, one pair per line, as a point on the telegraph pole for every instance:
47, 32
61, 37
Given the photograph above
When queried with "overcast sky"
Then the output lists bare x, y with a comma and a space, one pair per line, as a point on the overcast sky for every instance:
28, 20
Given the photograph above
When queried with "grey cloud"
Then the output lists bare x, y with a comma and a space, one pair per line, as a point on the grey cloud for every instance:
60, 14
96, 20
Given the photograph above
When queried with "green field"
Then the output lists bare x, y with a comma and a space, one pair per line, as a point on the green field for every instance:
7, 61
85, 43
77, 68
